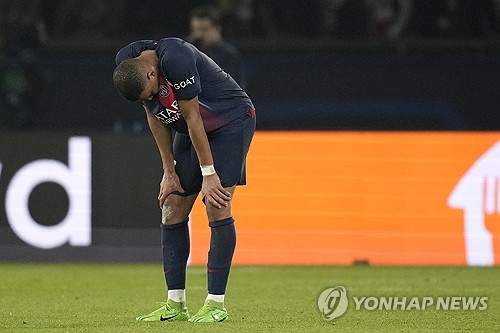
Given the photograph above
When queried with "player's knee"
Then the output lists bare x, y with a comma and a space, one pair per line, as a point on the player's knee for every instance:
216, 214
171, 214
167, 212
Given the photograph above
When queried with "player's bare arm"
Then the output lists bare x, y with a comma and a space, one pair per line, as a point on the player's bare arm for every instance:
163, 137
212, 189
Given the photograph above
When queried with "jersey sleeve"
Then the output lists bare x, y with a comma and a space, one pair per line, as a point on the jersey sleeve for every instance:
181, 69
132, 50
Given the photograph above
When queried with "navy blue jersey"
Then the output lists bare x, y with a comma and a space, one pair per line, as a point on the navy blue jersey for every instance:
186, 72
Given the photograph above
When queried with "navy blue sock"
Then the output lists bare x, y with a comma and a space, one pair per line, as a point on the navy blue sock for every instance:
222, 244
175, 247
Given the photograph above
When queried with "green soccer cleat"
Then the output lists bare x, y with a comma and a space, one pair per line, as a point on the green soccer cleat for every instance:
170, 311
211, 312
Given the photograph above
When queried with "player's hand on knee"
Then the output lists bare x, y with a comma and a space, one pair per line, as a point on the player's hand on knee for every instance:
169, 183
214, 193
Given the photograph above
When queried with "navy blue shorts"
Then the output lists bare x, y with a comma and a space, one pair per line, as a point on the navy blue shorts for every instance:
229, 147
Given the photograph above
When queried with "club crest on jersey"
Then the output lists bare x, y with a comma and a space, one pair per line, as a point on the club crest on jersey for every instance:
163, 91
184, 84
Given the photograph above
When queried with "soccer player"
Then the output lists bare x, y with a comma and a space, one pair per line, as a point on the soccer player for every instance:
185, 91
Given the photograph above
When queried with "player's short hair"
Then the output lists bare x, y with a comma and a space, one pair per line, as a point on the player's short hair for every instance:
208, 12
129, 78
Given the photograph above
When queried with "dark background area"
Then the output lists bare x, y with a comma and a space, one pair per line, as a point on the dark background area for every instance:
125, 216
114, 162
311, 65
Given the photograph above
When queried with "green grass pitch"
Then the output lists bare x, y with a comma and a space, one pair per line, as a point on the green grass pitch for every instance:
108, 297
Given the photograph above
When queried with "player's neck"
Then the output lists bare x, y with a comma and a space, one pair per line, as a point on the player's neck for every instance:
150, 57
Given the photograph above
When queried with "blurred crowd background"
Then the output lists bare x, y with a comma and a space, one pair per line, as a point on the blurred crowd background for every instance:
316, 64
34, 22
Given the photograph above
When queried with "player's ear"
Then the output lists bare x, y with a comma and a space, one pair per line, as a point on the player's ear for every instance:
151, 74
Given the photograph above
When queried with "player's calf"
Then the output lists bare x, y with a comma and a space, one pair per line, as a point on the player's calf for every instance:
175, 245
